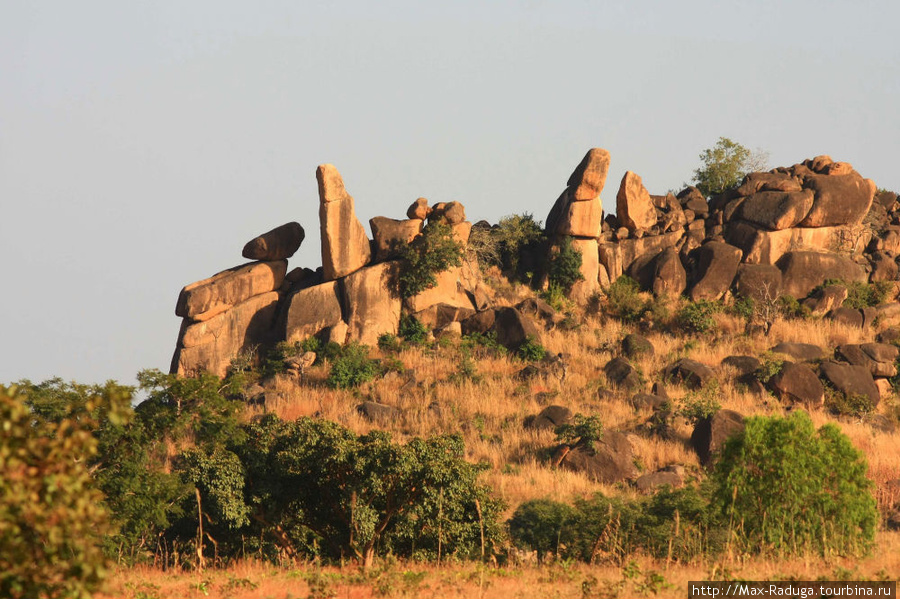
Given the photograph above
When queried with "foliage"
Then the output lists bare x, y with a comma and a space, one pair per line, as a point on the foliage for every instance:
539, 525
624, 299
412, 330
432, 252
856, 405
564, 266
769, 365
678, 524
863, 295
724, 165
790, 489
697, 317
583, 432
483, 344
555, 296
531, 350
791, 308
362, 495
515, 233
700, 405
743, 307
352, 367
52, 518
389, 342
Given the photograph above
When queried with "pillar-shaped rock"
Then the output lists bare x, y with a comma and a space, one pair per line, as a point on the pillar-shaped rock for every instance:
634, 207
345, 246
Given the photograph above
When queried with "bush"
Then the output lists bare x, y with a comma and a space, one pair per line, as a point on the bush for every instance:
856, 405
531, 350
352, 367
564, 266
788, 489
624, 299
432, 252
697, 317
700, 405
543, 526
412, 330
514, 234
483, 344
770, 365
863, 295
52, 519
583, 432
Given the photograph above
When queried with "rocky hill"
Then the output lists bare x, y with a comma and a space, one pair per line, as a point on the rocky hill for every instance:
780, 233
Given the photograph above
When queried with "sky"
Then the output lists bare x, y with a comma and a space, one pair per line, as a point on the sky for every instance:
143, 143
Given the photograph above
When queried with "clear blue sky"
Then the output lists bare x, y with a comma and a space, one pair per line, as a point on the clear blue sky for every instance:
142, 143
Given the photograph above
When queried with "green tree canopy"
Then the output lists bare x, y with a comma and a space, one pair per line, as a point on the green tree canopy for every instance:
725, 164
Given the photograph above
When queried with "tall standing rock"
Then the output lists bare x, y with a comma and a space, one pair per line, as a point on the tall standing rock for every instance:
345, 246
634, 207
371, 303
578, 211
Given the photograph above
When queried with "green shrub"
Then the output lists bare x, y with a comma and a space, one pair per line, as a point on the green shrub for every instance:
856, 405
531, 350
514, 234
700, 405
743, 307
389, 342
52, 518
697, 317
432, 252
483, 344
791, 308
564, 266
789, 489
624, 299
863, 295
583, 432
352, 368
770, 365
543, 526
412, 330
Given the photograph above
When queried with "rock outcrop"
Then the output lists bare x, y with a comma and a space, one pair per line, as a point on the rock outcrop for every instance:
345, 246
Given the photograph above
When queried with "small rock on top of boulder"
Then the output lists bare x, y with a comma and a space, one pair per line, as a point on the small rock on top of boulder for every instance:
279, 243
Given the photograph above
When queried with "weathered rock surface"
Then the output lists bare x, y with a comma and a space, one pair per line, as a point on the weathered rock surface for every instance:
279, 243
371, 302
776, 210
802, 352
211, 345
850, 380
549, 418
513, 328
760, 282
839, 199
204, 299
389, 234
377, 412
878, 358
620, 373
742, 364
710, 434
761, 246
589, 177
689, 372
420, 209
717, 265
798, 383
311, 311
634, 208
802, 271
611, 461
670, 476
345, 246
634, 345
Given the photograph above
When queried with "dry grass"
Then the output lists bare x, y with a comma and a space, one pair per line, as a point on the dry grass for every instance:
250, 579
489, 412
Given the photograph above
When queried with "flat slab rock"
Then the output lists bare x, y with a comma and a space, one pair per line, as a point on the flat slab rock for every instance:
803, 352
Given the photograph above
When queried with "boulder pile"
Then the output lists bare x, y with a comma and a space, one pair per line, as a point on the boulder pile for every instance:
353, 296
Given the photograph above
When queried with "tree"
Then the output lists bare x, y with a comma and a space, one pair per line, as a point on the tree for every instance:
725, 164
790, 489
52, 519
432, 252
